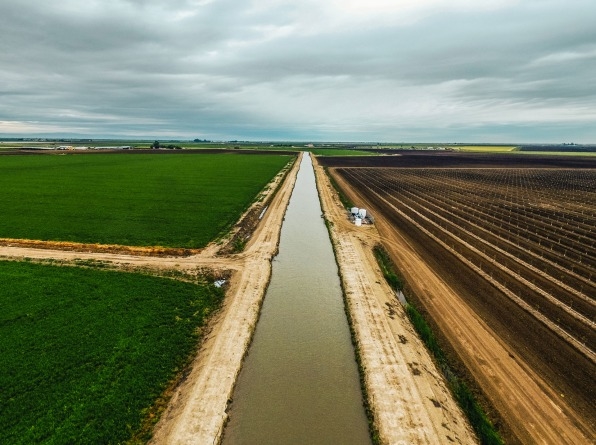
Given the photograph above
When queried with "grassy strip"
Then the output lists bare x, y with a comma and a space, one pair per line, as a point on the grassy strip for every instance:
388, 269
168, 200
486, 432
486, 148
346, 202
85, 353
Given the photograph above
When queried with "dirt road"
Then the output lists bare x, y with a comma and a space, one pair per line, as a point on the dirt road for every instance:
533, 411
197, 412
407, 395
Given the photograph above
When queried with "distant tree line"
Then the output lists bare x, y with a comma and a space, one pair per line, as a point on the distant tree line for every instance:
156, 145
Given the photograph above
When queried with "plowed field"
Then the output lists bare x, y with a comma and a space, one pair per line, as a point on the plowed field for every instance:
517, 244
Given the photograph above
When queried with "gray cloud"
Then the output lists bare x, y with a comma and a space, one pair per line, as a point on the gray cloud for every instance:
267, 69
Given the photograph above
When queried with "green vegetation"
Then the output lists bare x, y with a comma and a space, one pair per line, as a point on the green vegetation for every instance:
238, 245
463, 395
387, 268
84, 354
346, 202
426, 334
171, 200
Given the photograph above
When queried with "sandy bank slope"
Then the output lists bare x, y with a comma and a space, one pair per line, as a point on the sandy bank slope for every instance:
409, 399
197, 412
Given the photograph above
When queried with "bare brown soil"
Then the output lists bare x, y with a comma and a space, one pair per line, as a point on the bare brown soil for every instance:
503, 262
437, 159
100, 248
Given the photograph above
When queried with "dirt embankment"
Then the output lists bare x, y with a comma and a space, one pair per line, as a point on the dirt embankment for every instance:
407, 395
98, 248
532, 410
197, 411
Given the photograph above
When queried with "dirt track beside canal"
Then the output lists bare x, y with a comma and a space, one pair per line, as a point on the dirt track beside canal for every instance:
528, 402
407, 395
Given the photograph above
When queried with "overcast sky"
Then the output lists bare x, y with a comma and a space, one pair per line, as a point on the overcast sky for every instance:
311, 70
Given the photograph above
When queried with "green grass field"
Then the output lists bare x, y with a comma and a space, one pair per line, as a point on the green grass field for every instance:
85, 353
171, 200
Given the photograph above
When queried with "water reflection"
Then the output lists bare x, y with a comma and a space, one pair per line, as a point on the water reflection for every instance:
299, 383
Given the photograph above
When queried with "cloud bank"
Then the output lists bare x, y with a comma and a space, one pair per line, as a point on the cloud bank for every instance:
375, 70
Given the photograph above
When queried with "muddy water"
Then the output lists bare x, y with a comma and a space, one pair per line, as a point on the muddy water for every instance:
299, 383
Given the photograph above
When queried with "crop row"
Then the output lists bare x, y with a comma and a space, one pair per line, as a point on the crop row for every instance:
528, 232
530, 235
490, 231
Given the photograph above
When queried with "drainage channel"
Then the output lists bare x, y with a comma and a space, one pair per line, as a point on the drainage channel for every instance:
299, 383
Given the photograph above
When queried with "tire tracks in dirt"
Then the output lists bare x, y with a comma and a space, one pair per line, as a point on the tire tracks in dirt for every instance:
407, 395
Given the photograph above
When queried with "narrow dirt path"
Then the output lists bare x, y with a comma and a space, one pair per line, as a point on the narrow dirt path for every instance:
407, 395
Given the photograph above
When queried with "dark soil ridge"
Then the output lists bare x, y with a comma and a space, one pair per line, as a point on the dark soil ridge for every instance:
405, 158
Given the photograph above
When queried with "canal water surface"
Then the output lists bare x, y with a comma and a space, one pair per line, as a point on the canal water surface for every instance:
299, 383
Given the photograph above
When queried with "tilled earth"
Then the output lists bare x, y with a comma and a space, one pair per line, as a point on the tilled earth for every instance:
512, 248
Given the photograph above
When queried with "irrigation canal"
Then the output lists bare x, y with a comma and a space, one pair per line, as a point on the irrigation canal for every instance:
299, 383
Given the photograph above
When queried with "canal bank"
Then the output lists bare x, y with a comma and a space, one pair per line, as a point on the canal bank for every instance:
299, 382
406, 394
196, 412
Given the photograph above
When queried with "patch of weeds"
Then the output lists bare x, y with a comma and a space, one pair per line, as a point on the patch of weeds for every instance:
478, 419
238, 245
347, 203
388, 268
